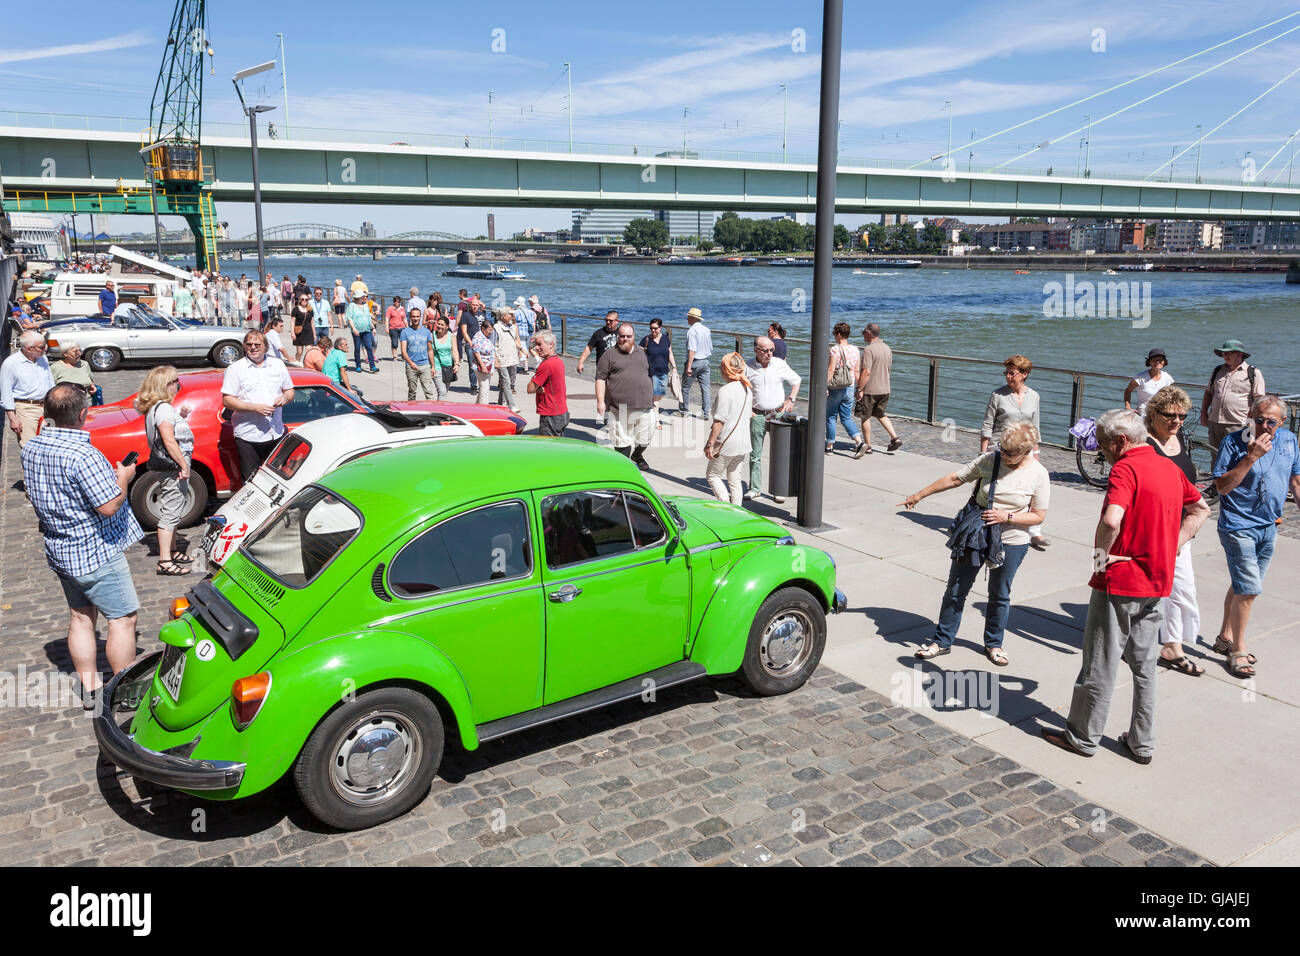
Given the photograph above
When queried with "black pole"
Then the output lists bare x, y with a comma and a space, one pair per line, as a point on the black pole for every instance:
76, 249
810, 502
257, 195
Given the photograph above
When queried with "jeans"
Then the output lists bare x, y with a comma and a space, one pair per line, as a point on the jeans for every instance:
698, 372
395, 340
960, 579
839, 404
506, 386
1249, 553
366, 340
757, 433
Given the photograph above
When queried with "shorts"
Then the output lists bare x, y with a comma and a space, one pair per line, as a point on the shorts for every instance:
553, 426
173, 494
340, 309
659, 385
871, 406
1249, 552
109, 588
630, 426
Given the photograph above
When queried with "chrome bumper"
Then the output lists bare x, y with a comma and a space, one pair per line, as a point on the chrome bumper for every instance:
840, 603
166, 769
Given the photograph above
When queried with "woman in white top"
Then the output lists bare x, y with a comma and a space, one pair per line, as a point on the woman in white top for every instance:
729, 443
840, 375
171, 446
1147, 383
1019, 503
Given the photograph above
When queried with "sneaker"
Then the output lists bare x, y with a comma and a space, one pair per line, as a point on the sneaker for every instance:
752, 495
895, 444
1040, 543
862, 449
778, 499
516, 409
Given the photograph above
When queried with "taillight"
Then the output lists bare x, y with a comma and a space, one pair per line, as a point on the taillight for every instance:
247, 696
179, 607
296, 458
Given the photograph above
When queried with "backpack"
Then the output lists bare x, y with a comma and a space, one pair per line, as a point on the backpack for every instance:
1250, 378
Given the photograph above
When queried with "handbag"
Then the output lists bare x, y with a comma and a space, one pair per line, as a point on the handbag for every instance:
843, 376
160, 458
675, 383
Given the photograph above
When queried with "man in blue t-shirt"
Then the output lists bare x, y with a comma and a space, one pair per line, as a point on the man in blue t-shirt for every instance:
1254, 468
416, 342
107, 298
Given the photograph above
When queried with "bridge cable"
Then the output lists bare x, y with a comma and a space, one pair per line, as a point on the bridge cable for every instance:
1206, 136
1145, 99
1112, 89
1287, 141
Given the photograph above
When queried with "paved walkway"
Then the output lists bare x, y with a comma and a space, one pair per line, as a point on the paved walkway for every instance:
855, 768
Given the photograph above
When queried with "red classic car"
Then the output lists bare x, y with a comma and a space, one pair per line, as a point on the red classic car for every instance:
118, 429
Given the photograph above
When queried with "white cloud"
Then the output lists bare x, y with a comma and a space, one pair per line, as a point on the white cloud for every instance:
120, 42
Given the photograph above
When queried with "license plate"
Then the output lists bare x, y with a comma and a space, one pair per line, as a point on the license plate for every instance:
210, 538
171, 680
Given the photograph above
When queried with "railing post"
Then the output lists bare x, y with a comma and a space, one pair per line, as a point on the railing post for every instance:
564, 334
738, 352
932, 393
1076, 405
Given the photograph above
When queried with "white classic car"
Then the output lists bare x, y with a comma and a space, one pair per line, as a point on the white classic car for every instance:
136, 333
313, 450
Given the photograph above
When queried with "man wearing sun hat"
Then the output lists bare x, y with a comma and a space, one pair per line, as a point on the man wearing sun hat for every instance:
699, 347
1234, 387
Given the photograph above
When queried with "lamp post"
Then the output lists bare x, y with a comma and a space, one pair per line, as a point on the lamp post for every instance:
685, 110
490, 119
785, 110
568, 71
1198, 152
251, 112
284, 85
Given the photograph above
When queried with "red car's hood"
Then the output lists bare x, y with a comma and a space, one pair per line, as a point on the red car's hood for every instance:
490, 419
108, 416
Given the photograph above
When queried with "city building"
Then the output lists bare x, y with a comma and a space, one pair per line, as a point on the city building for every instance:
492, 226
684, 223
602, 225
890, 219
368, 230
1025, 236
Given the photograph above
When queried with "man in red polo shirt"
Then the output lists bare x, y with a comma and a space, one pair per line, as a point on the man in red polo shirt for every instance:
1150, 511
548, 385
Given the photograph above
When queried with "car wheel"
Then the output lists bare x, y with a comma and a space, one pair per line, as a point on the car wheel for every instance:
144, 499
371, 760
786, 642
225, 354
104, 359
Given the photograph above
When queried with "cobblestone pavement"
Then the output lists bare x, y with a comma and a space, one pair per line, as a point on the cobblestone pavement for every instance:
706, 774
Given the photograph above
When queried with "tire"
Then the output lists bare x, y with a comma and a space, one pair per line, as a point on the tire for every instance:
225, 354
1093, 466
771, 665
343, 790
144, 500
104, 359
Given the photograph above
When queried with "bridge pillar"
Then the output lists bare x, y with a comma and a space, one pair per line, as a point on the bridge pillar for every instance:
377, 254
466, 259
237, 255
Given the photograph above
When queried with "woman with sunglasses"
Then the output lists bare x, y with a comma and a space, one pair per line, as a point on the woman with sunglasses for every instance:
1166, 411
1012, 403
304, 332
171, 446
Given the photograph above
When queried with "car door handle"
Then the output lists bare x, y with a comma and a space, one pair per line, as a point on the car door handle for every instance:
565, 594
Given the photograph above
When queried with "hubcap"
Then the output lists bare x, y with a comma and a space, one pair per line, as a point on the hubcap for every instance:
786, 643
101, 359
375, 758
228, 354
156, 491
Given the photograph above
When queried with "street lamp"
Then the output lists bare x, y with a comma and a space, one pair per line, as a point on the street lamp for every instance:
251, 112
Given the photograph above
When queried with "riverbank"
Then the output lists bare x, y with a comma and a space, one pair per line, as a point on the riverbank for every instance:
1047, 262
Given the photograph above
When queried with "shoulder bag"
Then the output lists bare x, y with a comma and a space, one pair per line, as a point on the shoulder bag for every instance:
160, 458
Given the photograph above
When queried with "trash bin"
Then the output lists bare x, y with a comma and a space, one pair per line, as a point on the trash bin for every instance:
787, 442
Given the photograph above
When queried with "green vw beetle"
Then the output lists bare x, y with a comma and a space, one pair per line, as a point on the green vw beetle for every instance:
518, 582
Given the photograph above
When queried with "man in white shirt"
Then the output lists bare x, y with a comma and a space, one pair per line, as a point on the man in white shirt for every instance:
415, 302
699, 348
255, 388
25, 378
769, 376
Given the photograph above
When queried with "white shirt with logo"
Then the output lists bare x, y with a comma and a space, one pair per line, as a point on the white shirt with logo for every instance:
257, 385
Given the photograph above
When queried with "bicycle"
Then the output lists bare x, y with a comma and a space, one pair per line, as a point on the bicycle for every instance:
1095, 469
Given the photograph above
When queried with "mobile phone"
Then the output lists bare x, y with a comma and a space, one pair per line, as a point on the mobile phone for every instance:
130, 458
1249, 432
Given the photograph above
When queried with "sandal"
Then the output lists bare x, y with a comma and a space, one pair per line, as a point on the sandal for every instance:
996, 655
931, 649
1225, 647
1240, 670
171, 569
181, 557
1182, 663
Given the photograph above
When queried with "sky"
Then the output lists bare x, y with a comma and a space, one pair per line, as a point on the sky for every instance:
638, 69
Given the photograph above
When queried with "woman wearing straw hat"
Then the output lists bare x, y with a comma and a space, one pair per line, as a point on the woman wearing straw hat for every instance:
728, 445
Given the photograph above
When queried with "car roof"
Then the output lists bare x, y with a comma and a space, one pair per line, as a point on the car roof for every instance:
395, 489
339, 433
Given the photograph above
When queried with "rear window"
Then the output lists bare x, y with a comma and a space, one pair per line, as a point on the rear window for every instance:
289, 455
300, 542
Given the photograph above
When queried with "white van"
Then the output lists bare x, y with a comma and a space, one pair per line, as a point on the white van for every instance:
77, 293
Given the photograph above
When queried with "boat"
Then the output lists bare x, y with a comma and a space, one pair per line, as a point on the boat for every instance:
877, 263
1135, 267
1111, 272
706, 261
791, 261
491, 272
1022, 272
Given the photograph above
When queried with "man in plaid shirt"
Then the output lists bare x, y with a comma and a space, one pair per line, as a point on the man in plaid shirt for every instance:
80, 500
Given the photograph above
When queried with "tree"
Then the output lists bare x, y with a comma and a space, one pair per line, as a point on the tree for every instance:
705, 246
903, 238
877, 236
966, 238
789, 235
841, 240
727, 231
932, 239
646, 234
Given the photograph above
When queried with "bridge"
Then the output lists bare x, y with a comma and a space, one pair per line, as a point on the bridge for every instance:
370, 244
42, 163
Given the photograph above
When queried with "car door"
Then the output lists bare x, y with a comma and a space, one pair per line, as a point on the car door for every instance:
617, 588
474, 590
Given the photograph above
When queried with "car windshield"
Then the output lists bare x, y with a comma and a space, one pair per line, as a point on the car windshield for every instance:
140, 317
300, 542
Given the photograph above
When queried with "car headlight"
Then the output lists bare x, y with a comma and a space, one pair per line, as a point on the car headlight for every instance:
785, 541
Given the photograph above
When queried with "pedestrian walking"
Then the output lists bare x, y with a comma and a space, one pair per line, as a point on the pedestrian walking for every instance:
446, 354
80, 501
699, 349
256, 388
549, 385
395, 323
171, 448
484, 356
359, 286
304, 326
339, 301
1253, 469
525, 326
770, 377
362, 326
624, 397
601, 341
415, 345
658, 347
1166, 411
25, 380
1013, 402
1235, 386
728, 444
1146, 384
274, 345
841, 375
508, 349
873, 387
1012, 492
1150, 511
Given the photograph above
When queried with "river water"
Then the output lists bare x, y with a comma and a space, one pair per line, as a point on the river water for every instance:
981, 314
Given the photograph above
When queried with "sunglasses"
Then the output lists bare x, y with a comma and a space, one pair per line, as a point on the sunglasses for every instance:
1267, 422
773, 349
1174, 416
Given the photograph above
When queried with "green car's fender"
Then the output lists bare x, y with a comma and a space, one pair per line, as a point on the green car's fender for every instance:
719, 644
326, 674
